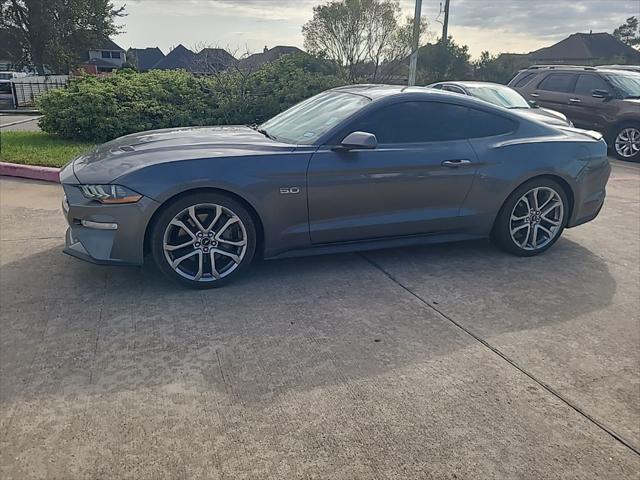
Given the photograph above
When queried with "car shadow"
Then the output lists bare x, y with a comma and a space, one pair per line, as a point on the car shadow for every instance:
294, 324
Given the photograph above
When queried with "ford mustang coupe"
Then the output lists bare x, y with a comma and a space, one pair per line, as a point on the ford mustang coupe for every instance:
353, 168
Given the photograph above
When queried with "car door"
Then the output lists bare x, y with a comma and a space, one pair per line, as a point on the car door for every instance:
587, 111
554, 91
414, 182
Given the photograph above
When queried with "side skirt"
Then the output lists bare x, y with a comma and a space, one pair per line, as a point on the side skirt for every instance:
364, 245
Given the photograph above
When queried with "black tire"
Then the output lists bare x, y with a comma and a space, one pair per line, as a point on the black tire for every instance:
614, 135
206, 204
502, 228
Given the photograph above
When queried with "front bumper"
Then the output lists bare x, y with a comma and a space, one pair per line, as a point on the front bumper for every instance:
105, 234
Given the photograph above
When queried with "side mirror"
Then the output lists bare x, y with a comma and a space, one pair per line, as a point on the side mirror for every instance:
534, 104
359, 140
600, 94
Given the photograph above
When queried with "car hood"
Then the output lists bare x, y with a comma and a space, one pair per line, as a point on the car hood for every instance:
133, 152
545, 115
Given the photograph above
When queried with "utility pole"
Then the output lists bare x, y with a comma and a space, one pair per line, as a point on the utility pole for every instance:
445, 25
413, 64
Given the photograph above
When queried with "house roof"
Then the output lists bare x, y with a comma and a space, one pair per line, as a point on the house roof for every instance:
211, 60
259, 59
106, 44
585, 46
179, 57
145, 58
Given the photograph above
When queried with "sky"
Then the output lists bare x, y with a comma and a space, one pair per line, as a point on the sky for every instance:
241, 26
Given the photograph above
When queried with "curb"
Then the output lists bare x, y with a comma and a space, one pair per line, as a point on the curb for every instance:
20, 121
20, 112
47, 174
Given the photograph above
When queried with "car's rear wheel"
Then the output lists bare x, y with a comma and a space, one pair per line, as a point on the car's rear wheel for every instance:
533, 218
203, 240
626, 142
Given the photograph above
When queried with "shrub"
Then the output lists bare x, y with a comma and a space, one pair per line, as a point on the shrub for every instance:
102, 108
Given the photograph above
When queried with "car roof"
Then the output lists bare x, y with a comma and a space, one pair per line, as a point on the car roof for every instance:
470, 83
578, 68
378, 92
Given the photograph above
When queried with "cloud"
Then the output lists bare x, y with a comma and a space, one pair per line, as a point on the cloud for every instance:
494, 25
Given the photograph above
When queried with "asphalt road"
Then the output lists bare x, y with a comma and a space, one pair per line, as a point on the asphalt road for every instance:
452, 361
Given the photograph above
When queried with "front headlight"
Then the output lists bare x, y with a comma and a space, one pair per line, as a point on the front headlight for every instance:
110, 194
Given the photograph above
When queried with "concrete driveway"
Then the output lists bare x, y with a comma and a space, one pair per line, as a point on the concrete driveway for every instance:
443, 362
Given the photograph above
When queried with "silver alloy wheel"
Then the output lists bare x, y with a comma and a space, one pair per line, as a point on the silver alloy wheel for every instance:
205, 242
536, 218
628, 142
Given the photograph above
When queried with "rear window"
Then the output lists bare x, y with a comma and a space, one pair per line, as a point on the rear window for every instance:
524, 80
558, 82
485, 124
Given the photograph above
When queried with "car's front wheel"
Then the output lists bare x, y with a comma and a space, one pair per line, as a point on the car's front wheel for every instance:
626, 142
203, 240
532, 218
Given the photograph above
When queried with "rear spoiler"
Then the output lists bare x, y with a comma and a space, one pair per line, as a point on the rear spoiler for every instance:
588, 133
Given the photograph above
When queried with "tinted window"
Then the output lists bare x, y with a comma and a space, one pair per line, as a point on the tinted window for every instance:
485, 124
586, 84
412, 122
524, 80
558, 82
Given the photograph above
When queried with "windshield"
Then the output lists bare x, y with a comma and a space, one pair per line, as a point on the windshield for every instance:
627, 84
305, 122
498, 95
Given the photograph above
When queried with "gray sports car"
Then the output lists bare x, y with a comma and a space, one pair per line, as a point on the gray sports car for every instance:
353, 168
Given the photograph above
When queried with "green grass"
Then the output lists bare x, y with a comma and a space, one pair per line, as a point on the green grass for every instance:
37, 148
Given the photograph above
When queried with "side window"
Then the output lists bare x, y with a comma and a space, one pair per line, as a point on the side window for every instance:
414, 122
558, 82
524, 80
588, 83
485, 124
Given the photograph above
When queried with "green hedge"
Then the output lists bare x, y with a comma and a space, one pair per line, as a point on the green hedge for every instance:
98, 109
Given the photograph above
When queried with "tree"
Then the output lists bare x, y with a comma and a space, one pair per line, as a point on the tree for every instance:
55, 33
498, 68
629, 32
367, 38
443, 61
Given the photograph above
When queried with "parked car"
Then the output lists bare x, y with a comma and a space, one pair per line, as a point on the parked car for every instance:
606, 100
5, 80
353, 168
505, 97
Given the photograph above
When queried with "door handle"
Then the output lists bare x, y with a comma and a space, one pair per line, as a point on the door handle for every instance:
534, 95
575, 100
455, 163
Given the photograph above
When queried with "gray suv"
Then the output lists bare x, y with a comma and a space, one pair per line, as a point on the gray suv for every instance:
606, 100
